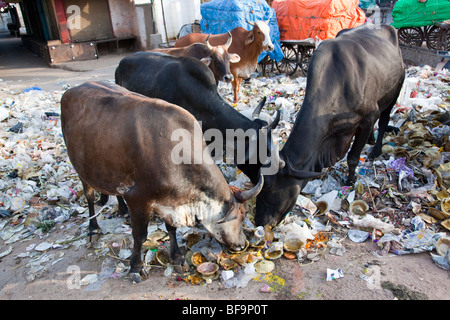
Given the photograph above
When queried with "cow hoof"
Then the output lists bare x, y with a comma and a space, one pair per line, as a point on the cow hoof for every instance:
350, 181
138, 276
135, 277
95, 232
144, 273
179, 263
374, 154
124, 211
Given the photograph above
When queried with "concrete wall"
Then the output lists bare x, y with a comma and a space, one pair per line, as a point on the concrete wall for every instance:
123, 16
128, 19
131, 17
176, 13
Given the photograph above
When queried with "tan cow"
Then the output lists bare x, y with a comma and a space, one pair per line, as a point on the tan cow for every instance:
247, 44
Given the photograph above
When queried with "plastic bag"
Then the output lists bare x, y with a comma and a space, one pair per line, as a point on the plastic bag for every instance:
369, 221
242, 278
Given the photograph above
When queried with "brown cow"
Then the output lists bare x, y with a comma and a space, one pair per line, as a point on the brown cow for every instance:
217, 58
122, 143
247, 44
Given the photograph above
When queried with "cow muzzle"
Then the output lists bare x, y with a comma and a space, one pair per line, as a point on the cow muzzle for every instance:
238, 248
228, 78
241, 245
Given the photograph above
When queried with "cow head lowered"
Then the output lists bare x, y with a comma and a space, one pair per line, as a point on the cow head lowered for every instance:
280, 193
228, 230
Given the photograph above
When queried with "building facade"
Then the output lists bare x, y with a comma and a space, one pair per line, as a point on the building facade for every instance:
65, 30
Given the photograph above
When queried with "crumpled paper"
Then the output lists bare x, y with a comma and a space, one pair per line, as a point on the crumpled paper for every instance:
334, 274
410, 242
442, 261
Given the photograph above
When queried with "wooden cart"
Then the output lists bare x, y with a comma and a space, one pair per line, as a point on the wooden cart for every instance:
297, 54
436, 36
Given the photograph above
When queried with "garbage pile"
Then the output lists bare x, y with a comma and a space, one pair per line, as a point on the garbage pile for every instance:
401, 200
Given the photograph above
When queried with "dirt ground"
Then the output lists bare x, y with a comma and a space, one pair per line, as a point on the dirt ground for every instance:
413, 276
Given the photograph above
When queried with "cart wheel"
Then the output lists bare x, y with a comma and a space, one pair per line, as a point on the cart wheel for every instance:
437, 38
411, 36
288, 65
306, 55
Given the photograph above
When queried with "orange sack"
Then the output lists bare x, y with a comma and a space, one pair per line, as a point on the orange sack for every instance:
304, 19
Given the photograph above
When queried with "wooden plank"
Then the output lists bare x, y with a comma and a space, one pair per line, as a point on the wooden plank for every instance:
62, 21
72, 52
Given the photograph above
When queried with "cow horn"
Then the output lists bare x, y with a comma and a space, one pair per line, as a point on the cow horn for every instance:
243, 196
267, 21
208, 44
257, 111
230, 39
274, 123
251, 23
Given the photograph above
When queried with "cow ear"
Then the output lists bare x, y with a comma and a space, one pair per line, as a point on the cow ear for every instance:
234, 58
232, 214
206, 60
250, 39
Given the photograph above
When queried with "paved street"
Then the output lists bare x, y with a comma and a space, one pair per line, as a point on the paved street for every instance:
24, 69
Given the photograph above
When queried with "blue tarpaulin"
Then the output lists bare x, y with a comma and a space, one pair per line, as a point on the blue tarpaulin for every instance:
220, 16
365, 4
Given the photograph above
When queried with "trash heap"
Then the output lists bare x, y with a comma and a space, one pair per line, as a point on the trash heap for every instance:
401, 200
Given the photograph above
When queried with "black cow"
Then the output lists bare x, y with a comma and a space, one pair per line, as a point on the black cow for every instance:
353, 80
189, 83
